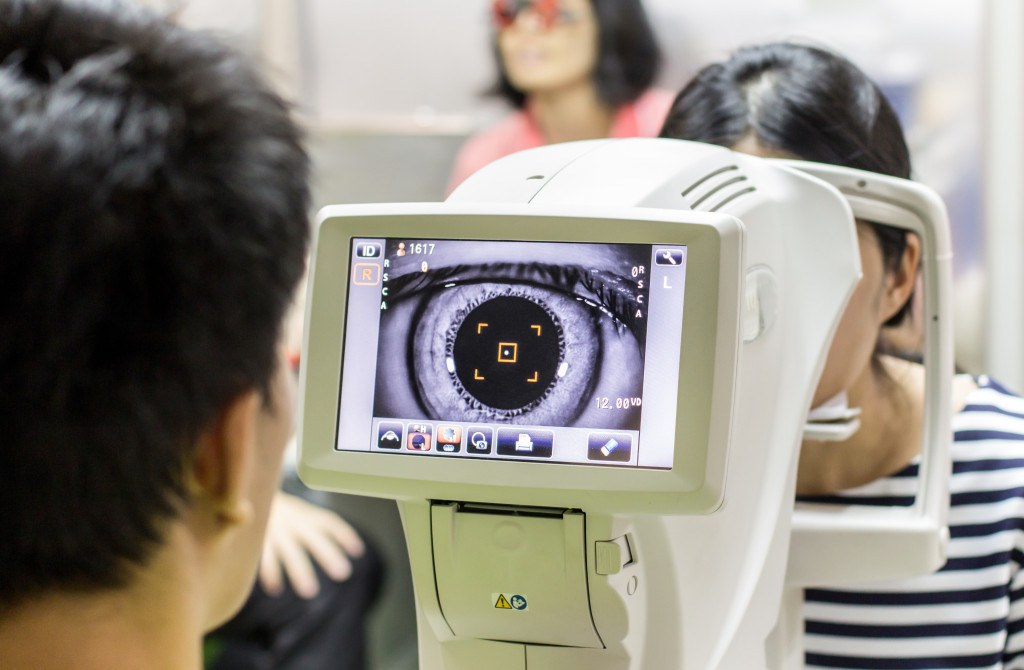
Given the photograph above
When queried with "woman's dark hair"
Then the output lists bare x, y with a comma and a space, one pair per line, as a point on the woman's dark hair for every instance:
804, 101
627, 61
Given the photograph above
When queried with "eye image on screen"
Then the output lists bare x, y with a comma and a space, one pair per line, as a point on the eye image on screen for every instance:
548, 334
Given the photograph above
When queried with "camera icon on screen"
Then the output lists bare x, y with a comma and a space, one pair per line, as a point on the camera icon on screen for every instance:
478, 440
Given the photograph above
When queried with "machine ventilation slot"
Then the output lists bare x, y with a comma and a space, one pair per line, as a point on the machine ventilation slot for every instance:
749, 189
716, 189
706, 177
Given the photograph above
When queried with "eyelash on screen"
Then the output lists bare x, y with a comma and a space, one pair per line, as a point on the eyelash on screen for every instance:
615, 295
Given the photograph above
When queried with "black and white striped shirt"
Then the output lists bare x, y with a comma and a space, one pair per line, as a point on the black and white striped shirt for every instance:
969, 614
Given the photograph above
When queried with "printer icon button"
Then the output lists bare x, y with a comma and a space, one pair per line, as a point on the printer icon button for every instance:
525, 442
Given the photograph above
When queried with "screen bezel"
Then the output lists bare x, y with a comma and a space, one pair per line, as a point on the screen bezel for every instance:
710, 336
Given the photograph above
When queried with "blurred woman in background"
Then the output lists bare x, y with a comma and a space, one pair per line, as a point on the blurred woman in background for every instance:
573, 70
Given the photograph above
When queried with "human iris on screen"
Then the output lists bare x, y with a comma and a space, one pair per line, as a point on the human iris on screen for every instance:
512, 333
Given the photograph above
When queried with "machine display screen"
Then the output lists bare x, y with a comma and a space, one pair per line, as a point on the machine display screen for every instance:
532, 351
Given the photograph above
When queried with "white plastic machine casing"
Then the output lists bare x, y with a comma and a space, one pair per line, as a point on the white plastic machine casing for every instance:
637, 579
829, 542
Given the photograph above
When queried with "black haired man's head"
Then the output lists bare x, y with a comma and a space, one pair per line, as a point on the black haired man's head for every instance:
153, 204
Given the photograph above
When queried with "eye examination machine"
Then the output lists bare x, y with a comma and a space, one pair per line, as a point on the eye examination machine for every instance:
585, 378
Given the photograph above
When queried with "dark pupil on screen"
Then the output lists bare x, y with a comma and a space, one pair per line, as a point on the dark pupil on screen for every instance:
506, 352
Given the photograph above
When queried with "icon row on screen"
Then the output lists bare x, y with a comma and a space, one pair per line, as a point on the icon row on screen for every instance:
447, 438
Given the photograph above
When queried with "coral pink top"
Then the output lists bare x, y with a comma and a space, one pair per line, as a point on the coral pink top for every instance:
518, 131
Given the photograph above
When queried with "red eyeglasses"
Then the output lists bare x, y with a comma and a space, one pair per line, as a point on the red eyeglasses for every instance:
550, 13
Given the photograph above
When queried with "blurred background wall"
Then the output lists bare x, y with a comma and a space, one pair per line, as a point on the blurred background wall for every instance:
390, 88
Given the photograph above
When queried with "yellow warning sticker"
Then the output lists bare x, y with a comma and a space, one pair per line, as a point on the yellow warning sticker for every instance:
513, 601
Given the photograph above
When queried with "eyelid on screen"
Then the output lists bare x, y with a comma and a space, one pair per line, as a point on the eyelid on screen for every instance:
616, 295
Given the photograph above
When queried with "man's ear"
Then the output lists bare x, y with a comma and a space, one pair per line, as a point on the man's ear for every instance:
224, 460
900, 283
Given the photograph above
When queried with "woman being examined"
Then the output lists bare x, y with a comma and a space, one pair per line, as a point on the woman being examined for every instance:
794, 101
